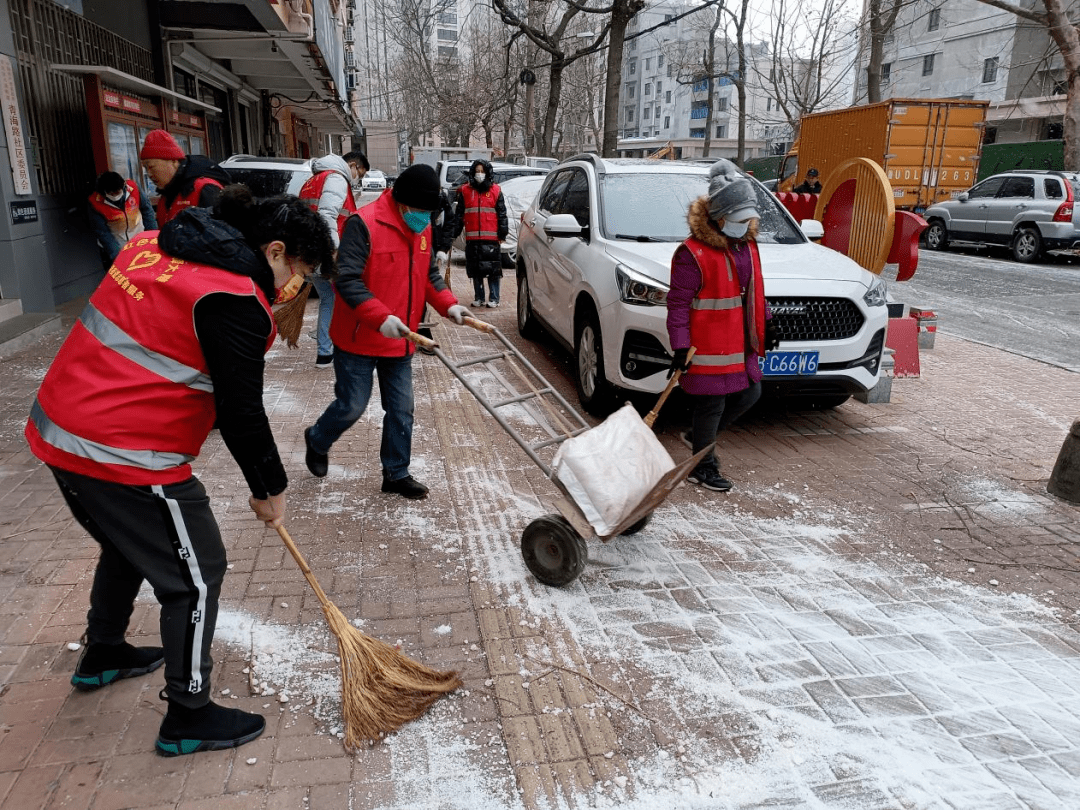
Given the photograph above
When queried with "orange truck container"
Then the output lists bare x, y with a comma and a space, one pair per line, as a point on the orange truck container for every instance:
929, 148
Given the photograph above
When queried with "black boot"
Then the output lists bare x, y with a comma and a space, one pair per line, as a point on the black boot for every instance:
102, 664
207, 728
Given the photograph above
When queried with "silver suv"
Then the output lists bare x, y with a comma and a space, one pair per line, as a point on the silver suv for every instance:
1032, 212
267, 176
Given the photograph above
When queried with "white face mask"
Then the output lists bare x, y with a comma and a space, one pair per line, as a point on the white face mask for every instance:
736, 230
115, 197
480, 177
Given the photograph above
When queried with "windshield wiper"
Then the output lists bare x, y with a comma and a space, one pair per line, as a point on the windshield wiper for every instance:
639, 237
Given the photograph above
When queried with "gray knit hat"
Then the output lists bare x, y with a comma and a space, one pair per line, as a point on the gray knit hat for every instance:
731, 196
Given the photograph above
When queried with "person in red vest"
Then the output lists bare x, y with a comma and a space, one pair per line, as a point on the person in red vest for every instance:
386, 275
329, 193
118, 212
170, 344
182, 180
717, 305
481, 212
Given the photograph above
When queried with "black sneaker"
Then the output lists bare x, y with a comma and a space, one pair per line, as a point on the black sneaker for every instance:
407, 487
102, 664
710, 478
317, 463
207, 728
324, 361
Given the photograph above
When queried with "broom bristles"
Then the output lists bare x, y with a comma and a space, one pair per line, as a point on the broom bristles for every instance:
381, 688
289, 317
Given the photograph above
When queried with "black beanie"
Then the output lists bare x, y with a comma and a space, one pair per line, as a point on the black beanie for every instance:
418, 187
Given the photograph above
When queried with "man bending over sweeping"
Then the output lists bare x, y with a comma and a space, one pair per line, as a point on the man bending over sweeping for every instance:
172, 340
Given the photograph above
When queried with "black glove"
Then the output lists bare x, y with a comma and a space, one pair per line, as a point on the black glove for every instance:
772, 338
678, 362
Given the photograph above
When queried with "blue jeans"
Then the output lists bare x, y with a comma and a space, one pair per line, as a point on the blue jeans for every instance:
352, 390
478, 288
325, 288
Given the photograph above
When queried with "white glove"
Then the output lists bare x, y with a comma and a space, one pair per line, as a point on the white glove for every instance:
392, 328
441, 257
457, 313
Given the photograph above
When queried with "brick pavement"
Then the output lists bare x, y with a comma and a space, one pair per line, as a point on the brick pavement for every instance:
882, 614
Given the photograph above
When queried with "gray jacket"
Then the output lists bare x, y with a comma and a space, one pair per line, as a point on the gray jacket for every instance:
334, 190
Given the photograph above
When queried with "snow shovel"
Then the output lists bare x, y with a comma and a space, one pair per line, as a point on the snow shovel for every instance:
381, 688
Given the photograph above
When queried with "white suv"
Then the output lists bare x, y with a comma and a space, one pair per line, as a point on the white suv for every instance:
267, 176
594, 267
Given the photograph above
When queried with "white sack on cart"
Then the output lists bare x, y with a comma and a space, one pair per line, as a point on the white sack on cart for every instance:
609, 469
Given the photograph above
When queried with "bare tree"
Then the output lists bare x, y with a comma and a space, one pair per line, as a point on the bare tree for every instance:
878, 22
622, 11
1067, 38
811, 49
548, 34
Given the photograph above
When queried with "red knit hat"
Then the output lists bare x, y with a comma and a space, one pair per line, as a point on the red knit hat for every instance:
160, 144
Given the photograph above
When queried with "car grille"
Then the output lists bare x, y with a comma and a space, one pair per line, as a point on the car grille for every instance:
816, 318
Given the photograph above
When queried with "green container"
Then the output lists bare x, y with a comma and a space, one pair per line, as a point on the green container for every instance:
764, 168
1001, 157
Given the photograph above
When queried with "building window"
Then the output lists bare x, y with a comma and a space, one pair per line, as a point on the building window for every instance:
768, 105
990, 67
645, 112
699, 109
697, 133
667, 96
659, 61
667, 122
886, 72
659, 86
632, 66
648, 88
656, 112
928, 64
448, 18
669, 71
446, 35
629, 114
721, 103
630, 90
447, 52
648, 63
721, 130
933, 19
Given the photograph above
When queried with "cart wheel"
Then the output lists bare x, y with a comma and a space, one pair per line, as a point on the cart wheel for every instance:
634, 528
553, 551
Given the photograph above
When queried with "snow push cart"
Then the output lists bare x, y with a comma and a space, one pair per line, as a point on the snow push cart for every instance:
553, 546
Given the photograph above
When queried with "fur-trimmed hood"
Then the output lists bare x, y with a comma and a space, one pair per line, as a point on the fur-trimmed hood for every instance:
704, 229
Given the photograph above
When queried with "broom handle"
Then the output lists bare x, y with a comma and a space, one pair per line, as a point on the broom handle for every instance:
667, 391
421, 341
479, 325
296, 555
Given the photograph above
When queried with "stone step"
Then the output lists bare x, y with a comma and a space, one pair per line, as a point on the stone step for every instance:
9, 308
21, 330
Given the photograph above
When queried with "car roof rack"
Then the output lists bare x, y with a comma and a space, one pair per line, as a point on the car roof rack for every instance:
590, 157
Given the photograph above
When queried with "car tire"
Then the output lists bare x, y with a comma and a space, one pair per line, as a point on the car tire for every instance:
937, 235
527, 326
595, 393
1027, 244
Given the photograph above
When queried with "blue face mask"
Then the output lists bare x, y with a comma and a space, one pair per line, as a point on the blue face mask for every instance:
416, 220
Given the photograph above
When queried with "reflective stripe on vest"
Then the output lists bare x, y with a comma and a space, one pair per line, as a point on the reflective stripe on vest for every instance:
102, 453
123, 344
717, 303
719, 359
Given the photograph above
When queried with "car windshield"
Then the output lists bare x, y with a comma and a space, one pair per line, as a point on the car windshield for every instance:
652, 207
262, 182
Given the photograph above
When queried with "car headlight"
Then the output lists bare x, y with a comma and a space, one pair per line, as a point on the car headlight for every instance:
635, 288
876, 295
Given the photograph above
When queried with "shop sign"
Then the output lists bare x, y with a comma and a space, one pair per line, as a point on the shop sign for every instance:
23, 211
110, 98
9, 105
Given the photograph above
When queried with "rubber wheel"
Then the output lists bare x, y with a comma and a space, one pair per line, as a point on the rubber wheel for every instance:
527, 326
634, 528
937, 236
1027, 244
553, 551
594, 391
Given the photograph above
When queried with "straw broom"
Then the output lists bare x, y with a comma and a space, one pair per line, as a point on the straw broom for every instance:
381, 688
289, 317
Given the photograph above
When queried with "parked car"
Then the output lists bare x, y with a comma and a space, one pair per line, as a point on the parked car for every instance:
374, 180
1030, 211
266, 176
452, 173
518, 194
594, 267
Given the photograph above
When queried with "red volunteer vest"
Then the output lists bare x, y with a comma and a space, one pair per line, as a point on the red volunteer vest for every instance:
721, 323
129, 398
183, 201
311, 193
123, 222
481, 221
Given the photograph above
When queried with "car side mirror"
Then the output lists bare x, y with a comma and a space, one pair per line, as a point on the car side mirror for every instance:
962, 196
812, 229
562, 226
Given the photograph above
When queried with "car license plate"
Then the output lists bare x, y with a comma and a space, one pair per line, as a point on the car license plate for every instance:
778, 364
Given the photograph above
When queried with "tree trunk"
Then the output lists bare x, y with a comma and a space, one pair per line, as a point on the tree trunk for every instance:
554, 91
1067, 39
710, 66
616, 38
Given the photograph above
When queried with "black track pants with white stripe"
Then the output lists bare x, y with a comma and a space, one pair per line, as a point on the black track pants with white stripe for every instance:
167, 535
